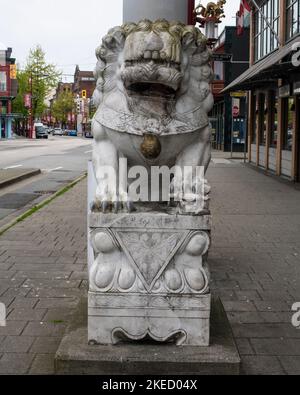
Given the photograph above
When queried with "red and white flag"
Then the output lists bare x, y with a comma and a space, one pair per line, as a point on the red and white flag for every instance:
243, 17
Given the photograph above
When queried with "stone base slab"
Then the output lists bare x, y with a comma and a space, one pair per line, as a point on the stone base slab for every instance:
181, 319
75, 356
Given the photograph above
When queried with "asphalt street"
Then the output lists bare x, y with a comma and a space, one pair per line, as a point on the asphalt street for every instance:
61, 160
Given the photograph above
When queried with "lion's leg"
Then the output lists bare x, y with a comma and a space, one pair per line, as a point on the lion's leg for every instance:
194, 156
106, 164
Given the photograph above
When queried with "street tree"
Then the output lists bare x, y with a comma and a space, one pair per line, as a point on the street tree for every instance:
63, 106
38, 78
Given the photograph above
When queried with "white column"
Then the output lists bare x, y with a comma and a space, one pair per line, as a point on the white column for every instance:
135, 10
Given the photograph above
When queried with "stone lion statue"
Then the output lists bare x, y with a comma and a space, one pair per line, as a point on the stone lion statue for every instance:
152, 97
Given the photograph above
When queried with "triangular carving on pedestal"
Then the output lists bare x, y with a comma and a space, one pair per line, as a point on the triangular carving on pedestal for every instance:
150, 251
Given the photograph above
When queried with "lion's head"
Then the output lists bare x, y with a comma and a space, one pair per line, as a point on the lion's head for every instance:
155, 69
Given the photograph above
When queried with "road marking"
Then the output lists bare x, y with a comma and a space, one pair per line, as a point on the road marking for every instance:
12, 167
51, 170
88, 152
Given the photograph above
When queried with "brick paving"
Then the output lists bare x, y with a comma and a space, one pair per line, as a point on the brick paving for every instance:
254, 261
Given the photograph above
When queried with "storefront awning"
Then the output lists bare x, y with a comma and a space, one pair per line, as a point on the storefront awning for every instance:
260, 72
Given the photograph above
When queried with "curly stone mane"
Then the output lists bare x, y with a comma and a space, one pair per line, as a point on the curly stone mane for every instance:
188, 50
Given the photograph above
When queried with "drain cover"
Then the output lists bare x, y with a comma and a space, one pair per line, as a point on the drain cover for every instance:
16, 200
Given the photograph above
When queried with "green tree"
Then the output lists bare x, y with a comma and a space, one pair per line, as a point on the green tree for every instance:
62, 106
18, 103
38, 76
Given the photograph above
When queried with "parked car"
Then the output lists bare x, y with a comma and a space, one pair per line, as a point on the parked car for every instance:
72, 133
40, 131
58, 132
88, 135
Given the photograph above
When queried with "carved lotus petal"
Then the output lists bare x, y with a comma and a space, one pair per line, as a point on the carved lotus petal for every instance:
195, 279
105, 274
197, 245
127, 278
104, 243
173, 280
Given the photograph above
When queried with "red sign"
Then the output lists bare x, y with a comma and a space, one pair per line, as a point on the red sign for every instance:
235, 107
27, 100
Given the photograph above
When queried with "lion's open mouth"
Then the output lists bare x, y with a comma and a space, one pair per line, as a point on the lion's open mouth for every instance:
156, 78
150, 88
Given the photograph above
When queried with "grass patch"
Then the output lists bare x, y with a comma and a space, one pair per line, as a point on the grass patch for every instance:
38, 207
57, 322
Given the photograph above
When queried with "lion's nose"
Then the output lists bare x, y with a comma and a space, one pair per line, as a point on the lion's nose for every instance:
153, 43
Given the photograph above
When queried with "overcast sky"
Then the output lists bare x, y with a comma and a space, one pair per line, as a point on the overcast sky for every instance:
68, 30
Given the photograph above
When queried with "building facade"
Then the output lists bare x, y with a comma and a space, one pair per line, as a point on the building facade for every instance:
8, 91
83, 88
273, 82
229, 115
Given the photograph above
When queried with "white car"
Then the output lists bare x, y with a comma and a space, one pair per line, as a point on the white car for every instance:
58, 132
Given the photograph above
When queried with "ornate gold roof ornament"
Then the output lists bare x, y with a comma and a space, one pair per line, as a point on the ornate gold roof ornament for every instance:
213, 12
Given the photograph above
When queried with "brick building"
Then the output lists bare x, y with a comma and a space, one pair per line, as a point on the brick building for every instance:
8, 91
84, 81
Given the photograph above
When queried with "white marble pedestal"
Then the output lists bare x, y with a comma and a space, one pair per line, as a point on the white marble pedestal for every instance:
149, 278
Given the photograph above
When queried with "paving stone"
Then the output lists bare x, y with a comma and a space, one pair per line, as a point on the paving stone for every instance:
13, 328
37, 284
58, 314
48, 303
45, 345
244, 347
291, 364
237, 306
22, 314
43, 365
16, 344
44, 329
15, 363
281, 346
261, 365
25, 303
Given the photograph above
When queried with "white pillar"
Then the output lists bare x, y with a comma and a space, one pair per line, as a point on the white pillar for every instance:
135, 10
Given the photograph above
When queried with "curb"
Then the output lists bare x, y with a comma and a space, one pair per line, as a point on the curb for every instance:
37, 207
21, 177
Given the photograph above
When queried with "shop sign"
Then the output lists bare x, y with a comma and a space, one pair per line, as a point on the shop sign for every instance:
285, 91
238, 94
296, 88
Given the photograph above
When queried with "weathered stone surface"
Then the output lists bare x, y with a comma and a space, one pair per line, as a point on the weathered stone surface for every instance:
149, 277
75, 356
152, 96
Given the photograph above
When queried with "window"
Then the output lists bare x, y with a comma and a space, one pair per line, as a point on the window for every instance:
292, 18
274, 122
263, 114
218, 70
288, 130
265, 40
3, 83
255, 113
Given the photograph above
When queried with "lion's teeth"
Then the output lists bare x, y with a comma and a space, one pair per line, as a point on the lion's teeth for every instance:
155, 55
148, 55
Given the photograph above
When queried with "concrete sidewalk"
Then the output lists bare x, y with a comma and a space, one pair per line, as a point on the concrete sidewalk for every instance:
254, 261
11, 176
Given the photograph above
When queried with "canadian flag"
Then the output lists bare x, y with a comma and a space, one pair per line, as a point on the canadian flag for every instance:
243, 17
